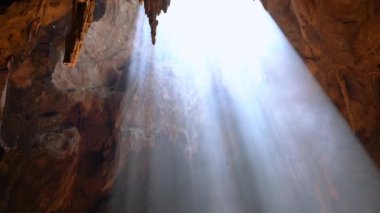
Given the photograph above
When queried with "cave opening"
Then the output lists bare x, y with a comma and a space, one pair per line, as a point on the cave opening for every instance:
222, 115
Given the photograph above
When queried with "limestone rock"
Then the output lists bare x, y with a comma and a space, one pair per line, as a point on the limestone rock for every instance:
340, 42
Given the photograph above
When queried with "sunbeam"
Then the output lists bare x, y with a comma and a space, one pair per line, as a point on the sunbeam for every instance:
222, 115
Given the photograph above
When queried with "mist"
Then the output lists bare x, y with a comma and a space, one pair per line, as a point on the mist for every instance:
222, 115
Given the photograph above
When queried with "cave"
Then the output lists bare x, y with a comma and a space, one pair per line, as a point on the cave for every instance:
214, 106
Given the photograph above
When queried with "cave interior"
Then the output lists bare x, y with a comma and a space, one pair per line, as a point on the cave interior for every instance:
190, 106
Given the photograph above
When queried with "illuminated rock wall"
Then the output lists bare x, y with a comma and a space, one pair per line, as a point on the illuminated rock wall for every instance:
58, 124
340, 43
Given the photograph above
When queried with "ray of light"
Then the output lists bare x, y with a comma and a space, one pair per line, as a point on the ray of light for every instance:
223, 116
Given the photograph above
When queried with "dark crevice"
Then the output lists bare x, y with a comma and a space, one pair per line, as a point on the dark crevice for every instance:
2, 151
48, 114
100, 205
100, 9
4, 4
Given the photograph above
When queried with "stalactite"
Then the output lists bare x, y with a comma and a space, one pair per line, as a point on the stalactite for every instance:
83, 15
153, 8
82, 18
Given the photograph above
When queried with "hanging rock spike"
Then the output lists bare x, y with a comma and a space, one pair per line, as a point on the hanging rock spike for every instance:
153, 8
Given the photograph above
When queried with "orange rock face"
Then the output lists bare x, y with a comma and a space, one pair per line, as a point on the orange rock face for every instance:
52, 111
58, 149
82, 18
340, 42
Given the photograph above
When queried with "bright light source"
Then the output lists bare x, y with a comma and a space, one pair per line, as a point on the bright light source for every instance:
223, 116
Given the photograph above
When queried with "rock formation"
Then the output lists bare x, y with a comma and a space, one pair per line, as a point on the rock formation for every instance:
82, 13
82, 18
340, 43
58, 122
58, 144
153, 8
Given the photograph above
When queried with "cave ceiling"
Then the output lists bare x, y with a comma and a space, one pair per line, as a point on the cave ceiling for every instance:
83, 11
57, 84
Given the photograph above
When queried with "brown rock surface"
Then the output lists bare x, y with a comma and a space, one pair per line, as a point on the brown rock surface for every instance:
59, 149
83, 11
153, 8
340, 42
57, 128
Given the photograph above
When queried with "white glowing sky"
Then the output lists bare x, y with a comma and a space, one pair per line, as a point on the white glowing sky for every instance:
226, 60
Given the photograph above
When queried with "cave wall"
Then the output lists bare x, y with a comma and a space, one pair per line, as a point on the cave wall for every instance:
57, 129
58, 124
339, 40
